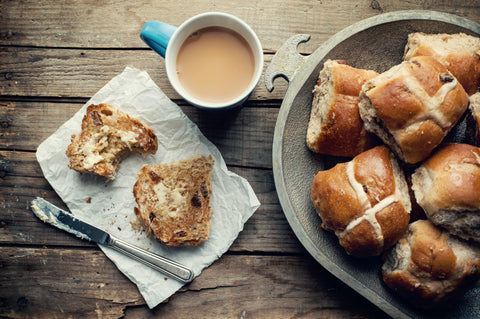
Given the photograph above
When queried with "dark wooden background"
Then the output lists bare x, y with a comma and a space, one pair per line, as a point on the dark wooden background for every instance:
54, 55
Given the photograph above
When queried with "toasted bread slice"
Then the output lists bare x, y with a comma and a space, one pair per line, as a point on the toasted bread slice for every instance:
174, 200
108, 136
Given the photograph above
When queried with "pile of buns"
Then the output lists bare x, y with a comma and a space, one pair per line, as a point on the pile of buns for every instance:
173, 198
393, 126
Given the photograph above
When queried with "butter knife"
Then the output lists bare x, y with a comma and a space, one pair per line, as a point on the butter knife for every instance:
59, 218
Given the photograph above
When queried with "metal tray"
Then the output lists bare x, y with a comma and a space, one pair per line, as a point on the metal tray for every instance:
376, 43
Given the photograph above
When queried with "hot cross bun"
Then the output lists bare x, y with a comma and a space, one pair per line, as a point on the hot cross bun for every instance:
335, 126
413, 106
365, 202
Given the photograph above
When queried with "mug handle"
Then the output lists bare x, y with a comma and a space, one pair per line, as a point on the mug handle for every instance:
156, 35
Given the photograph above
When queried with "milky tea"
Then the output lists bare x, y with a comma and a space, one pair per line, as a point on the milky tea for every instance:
215, 64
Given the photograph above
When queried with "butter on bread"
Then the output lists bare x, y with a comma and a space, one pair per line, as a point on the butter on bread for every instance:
174, 200
108, 136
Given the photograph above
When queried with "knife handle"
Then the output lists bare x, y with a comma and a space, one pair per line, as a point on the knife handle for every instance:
162, 264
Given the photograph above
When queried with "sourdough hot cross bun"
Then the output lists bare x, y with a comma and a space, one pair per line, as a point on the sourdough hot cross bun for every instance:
459, 53
413, 106
447, 187
335, 126
365, 202
428, 266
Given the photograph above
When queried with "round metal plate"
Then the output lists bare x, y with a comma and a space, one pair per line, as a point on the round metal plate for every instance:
376, 43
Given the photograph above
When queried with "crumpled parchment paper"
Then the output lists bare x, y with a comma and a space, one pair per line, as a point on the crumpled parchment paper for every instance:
109, 205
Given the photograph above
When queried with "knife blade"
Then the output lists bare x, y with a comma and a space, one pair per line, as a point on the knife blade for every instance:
51, 214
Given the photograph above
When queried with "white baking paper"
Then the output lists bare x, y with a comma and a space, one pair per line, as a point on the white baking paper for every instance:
109, 205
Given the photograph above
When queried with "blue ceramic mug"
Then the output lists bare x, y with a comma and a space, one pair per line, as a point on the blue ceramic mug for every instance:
166, 40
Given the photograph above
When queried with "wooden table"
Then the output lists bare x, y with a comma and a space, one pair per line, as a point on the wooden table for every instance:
53, 57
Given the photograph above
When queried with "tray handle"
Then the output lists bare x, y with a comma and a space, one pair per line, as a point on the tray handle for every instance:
286, 61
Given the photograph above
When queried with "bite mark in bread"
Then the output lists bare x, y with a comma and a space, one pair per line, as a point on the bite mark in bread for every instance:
108, 135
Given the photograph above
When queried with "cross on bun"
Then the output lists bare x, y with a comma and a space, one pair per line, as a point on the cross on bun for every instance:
459, 53
174, 200
108, 136
365, 202
335, 127
447, 187
413, 106
428, 266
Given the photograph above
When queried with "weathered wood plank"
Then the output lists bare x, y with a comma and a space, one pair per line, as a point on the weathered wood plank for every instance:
79, 282
26, 124
62, 283
243, 137
22, 180
42, 72
112, 24
18, 225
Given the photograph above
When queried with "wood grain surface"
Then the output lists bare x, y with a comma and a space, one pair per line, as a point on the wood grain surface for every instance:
53, 57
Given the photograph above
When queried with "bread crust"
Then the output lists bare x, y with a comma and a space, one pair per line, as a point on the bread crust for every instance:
474, 108
364, 201
174, 200
335, 126
428, 266
413, 106
447, 187
108, 135
459, 53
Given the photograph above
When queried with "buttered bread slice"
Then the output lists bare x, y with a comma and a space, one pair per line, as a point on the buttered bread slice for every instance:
174, 200
108, 136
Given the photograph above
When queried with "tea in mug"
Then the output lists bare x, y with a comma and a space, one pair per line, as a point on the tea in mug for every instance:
215, 64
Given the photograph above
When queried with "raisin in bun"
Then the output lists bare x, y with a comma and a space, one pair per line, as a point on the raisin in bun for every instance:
413, 106
459, 53
447, 187
429, 266
174, 200
335, 127
365, 202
